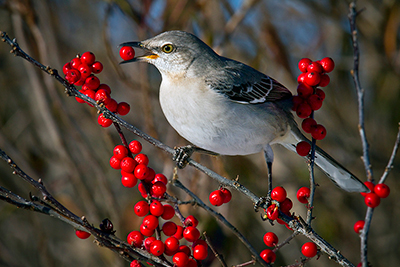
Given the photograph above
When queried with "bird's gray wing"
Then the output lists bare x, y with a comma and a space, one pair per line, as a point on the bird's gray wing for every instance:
243, 84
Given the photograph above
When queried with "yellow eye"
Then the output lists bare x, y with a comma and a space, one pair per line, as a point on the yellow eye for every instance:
168, 48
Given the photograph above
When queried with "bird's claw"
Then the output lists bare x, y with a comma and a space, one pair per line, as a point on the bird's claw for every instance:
261, 201
182, 155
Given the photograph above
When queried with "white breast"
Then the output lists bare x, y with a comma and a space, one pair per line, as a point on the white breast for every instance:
211, 121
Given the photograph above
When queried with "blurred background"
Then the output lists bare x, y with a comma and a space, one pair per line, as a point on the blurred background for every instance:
51, 136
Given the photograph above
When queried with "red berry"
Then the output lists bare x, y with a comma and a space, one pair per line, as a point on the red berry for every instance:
105, 87
179, 232
297, 100
172, 244
147, 242
112, 105
303, 194
158, 189
73, 76
278, 194
141, 208
156, 208
273, 212
314, 101
103, 121
85, 70
66, 67
301, 77
169, 228
129, 181
185, 249
150, 175
312, 78
146, 231
135, 238
97, 67
304, 90
268, 255
140, 171
303, 64
191, 233
372, 200
88, 58
286, 205
180, 259
102, 96
327, 64
127, 53
319, 132
150, 222
135, 147
128, 164
370, 186
382, 190
303, 148
135, 263
142, 159
315, 67
308, 124
168, 213
160, 177
82, 234
325, 80
123, 108
191, 221
303, 110
75, 62
142, 189
120, 151
271, 239
320, 93
358, 226
227, 195
216, 198
309, 249
89, 93
157, 248
115, 163
92, 82
200, 252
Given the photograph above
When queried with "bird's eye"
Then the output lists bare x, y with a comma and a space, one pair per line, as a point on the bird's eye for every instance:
167, 48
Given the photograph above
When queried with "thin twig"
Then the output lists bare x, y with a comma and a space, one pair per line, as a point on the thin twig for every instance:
219, 256
360, 91
389, 166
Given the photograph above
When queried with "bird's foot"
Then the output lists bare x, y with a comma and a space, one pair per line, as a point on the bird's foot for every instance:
183, 153
262, 200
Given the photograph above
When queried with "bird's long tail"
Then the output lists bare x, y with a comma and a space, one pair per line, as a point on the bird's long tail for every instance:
334, 170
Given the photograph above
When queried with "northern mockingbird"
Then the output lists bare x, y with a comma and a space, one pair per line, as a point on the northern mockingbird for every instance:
227, 107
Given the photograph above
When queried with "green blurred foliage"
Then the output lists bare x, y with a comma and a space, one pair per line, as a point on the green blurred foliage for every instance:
53, 137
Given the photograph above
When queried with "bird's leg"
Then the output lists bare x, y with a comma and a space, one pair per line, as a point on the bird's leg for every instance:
183, 153
269, 157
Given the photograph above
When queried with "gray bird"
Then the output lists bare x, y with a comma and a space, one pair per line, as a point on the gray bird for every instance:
227, 107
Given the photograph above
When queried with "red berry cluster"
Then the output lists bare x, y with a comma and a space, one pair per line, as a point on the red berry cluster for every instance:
81, 71
280, 202
134, 167
309, 97
220, 196
271, 240
372, 200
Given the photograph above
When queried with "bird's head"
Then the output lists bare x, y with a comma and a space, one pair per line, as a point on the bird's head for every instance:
173, 52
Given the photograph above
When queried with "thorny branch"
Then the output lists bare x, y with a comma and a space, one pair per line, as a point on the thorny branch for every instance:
110, 241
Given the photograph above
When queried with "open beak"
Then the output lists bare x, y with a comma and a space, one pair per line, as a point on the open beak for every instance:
147, 55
